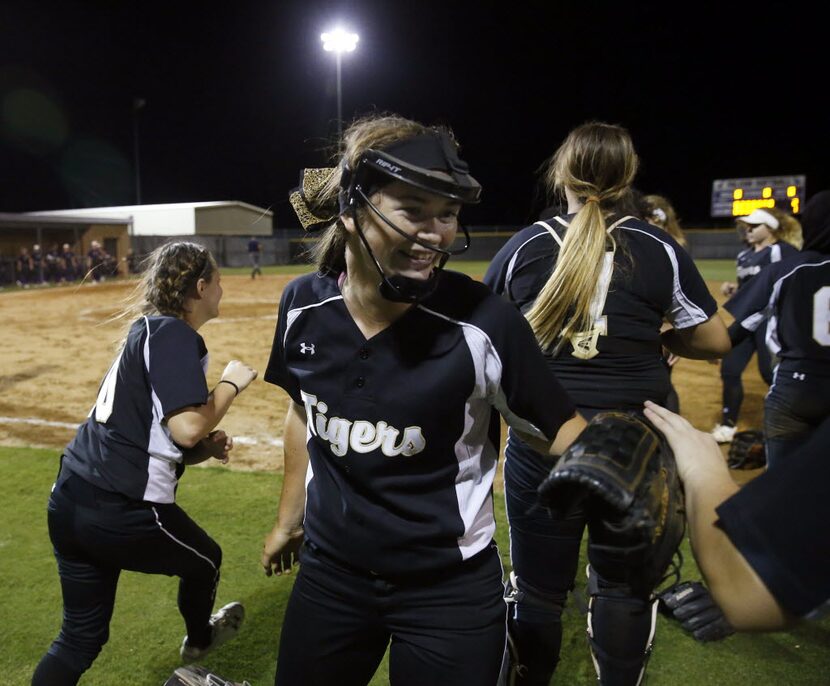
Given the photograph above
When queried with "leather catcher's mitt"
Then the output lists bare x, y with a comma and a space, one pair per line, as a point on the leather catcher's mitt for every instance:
747, 450
693, 606
623, 473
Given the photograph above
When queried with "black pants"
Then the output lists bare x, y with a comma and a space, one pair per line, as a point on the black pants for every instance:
733, 366
544, 551
445, 628
96, 534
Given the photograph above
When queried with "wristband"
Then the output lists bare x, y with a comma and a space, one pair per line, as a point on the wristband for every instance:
231, 383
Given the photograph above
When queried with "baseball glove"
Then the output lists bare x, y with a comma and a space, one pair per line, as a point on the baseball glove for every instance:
623, 473
747, 450
196, 675
692, 605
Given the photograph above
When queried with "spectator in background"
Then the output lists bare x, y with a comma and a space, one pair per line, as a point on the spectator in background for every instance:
37, 264
52, 270
95, 259
772, 235
254, 252
131, 262
23, 268
69, 264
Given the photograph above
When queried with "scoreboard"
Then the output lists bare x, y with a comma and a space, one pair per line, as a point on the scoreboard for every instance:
739, 197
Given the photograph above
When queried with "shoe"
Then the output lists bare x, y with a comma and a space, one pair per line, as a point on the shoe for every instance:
723, 433
224, 624
196, 675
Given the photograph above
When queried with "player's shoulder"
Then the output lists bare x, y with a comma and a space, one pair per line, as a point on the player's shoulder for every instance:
466, 300
310, 289
164, 326
534, 235
639, 230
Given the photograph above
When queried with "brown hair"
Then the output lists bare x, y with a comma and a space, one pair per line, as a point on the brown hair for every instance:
789, 228
170, 274
670, 225
372, 131
597, 163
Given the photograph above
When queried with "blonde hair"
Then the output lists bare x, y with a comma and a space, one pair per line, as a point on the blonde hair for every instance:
670, 225
597, 163
170, 274
789, 228
372, 131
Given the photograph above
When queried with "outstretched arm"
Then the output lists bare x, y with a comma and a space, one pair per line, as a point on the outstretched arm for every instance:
746, 602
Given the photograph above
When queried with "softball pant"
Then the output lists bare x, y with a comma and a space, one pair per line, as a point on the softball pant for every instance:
96, 534
446, 627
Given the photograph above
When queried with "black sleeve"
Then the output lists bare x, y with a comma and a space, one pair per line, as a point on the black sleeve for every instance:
749, 303
528, 394
175, 366
692, 303
277, 371
778, 522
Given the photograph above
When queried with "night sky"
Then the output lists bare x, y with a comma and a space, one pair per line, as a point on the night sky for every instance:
240, 95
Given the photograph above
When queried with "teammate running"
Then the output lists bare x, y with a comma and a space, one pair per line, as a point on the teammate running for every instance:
596, 286
396, 371
771, 236
113, 504
795, 295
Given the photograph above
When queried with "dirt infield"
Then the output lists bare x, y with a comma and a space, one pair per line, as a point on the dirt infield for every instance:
57, 346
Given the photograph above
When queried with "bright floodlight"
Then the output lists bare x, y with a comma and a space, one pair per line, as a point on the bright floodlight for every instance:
339, 40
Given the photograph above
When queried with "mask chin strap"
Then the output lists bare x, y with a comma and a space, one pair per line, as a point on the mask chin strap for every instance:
401, 288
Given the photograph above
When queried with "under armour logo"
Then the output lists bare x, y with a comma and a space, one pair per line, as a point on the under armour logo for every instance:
799, 376
309, 348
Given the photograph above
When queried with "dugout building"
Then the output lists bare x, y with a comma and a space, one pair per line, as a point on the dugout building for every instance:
224, 227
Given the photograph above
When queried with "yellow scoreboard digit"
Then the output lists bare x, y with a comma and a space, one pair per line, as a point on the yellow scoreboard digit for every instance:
739, 197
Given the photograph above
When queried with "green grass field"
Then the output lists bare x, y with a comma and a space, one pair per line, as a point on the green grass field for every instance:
237, 508
716, 270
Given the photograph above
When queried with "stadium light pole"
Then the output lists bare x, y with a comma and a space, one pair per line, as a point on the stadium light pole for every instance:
138, 105
339, 41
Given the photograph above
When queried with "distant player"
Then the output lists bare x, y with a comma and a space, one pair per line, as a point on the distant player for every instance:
113, 506
771, 236
596, 285
255, 254
397, 372
794, 296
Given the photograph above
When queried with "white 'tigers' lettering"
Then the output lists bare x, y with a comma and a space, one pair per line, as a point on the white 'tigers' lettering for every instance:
361, 436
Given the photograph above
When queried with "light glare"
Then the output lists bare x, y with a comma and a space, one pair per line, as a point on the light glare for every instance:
339, 40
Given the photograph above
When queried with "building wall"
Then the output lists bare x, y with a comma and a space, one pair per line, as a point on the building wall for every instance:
164, 221
232, 221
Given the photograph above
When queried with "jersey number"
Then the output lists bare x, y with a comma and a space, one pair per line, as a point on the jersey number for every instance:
106, 394
585, 342
821, 315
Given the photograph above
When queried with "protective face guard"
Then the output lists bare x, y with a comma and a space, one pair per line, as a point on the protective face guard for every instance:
455, 183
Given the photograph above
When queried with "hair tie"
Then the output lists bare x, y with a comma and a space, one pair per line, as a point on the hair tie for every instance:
592, 198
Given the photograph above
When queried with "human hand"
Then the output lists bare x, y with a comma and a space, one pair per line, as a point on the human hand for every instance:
218, 444
281, 550
727, 288
239, 374
695, 452
669, 357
